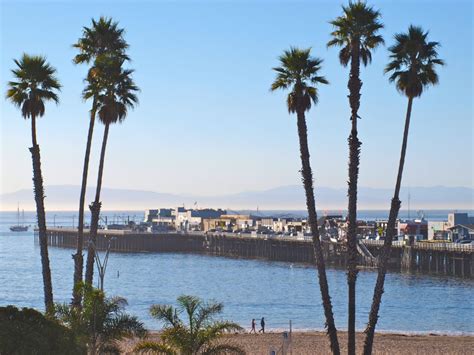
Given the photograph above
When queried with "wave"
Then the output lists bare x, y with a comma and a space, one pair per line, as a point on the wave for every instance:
380, 331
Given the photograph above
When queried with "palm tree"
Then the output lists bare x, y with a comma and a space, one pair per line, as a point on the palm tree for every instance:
101, 322
356, 32
117, 95
413, 61
35, 84
103, 38
199, 334
299, 73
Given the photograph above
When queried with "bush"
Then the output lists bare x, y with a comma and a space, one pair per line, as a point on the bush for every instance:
28, 331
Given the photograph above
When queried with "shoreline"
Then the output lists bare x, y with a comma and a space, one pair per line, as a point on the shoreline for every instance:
381, 332
316, 342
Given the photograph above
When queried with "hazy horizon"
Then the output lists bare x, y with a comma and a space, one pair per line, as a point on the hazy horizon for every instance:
288, 197
91, 186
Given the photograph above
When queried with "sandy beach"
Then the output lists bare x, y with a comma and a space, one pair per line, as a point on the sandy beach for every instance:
310, 343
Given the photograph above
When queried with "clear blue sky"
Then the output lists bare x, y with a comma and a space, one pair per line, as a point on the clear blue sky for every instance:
207, 123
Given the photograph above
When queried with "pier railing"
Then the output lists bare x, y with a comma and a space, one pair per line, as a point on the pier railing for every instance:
423, 245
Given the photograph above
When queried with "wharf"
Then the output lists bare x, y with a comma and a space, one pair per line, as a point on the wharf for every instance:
435, 258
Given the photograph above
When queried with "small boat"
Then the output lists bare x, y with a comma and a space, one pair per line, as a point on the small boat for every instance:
19, 227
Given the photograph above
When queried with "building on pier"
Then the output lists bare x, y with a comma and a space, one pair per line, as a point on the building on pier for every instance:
417, 229
462, 232
444, 230
438, 230
179, 218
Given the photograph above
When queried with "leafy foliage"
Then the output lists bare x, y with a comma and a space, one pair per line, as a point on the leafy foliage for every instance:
116, 90
413, 61
196, 335
102, 38
28, 331
358, 26
101, 321
299, 71
101, 43
35, 83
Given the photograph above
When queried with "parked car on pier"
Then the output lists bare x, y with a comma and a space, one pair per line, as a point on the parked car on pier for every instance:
464, 241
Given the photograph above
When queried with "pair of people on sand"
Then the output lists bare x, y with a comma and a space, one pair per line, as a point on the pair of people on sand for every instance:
262, 325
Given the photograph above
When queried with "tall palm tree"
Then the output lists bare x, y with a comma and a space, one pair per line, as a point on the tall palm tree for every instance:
196, 335
412, 68
356, 32
103, 38
35, 84
299, 73
101, 322
117, 95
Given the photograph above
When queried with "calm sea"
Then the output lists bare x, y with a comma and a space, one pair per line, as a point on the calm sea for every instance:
249, 289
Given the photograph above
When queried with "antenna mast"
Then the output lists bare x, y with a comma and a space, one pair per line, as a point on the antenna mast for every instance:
408, 204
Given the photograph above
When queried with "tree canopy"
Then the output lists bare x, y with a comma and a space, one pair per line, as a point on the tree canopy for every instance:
413, 62
35, 83
357, 26
299, 73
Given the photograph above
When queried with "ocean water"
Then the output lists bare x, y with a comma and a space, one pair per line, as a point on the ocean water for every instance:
280, 292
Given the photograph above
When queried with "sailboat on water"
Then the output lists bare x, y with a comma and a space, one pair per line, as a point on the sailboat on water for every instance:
19, 227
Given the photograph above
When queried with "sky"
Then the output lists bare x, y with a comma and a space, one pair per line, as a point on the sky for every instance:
207, 123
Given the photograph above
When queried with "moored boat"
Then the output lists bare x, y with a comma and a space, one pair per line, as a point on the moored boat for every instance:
19, 227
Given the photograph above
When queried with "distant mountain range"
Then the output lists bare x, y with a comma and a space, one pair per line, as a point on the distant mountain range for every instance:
66, 197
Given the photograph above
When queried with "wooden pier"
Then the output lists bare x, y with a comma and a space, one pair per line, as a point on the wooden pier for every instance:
437, 258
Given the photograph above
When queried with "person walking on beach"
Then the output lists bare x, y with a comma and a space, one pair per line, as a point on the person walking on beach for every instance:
254, 324
262, 324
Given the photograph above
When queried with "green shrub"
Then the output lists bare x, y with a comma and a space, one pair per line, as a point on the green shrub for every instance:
28, 331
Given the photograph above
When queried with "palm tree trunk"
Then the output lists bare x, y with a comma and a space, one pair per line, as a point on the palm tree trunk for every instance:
39, 199
385, 255
307, 176
78, 257
354, 86
95, 213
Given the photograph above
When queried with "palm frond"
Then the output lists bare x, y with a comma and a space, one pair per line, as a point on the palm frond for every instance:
357, 26
206, 312
123, 325
165, 313
116, 90
413, 62
35, 83
224, 349
297, 72
109, 349
104, 37
101, 320
149, 346
194, 336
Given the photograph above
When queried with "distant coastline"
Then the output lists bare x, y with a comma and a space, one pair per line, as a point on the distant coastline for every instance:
286, 198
